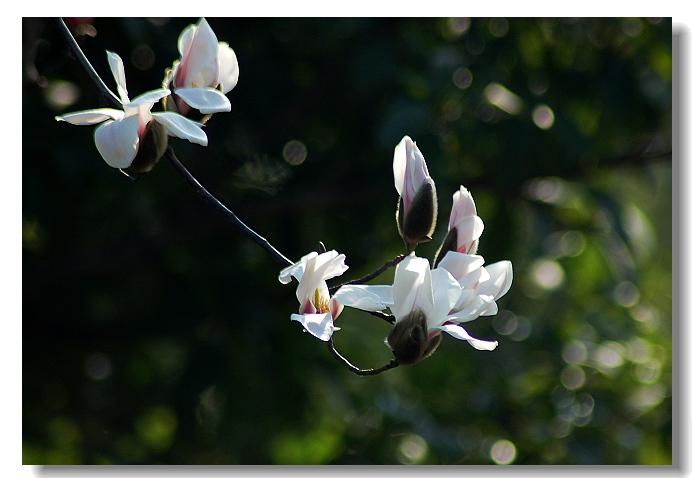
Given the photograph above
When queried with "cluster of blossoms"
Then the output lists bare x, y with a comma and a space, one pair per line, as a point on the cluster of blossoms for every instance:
424, 301
133, 137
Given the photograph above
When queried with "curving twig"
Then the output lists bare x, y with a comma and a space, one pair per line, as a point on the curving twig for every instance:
101, 87
358, 371
227, 213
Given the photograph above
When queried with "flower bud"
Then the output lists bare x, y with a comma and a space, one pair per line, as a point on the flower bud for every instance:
465, 227
409, 338
418, 223
152, 145
417, 209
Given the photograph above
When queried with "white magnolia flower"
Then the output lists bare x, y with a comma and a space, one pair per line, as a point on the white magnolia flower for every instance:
118, 137
425, 302
417, 211
317, 310
206, 71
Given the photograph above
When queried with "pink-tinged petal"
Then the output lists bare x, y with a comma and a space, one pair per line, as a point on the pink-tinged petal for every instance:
199, 48
319, 325
228, 68
462, 206
335, 307
469, 230
181, 127
371, 298
90, 117
206, 100
150, 97
117, 141
499, 281
116, 64
460, 265
412, 287
458, 332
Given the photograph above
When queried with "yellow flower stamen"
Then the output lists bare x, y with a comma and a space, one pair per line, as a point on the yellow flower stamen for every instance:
321, 305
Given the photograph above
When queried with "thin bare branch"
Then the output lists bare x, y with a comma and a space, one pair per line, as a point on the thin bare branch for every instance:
227, 213
358, 371
105, 92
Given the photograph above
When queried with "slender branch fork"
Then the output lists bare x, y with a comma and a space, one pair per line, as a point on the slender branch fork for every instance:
210, 199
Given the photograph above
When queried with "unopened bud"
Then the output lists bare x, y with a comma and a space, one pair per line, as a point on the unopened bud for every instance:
152, 145
408, 339
417, 224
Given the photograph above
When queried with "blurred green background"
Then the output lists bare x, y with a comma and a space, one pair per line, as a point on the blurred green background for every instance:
154, 333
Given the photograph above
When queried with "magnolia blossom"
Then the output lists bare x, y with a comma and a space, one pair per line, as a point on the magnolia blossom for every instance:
317, 310
206, 71
425, 302
465, 227
417, 212
480, 286
119, 136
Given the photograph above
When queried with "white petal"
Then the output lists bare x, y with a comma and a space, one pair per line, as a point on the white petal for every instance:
459, 265
91, 116
199, 54
117, 141
181, 127
296, 270
206, 100
319, 325
458, 332
228, 68
446, 292
118, 70
330, 264
469, 229
150, 97
412, 287
365, 297
399, 165
471, 309
500, 279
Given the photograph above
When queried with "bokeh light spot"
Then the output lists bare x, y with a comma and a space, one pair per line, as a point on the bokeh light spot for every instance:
61, 94
295, 152
142, 57
547, 274
412, 449
572, 377
98, 366
626, 294
462, 77
503, 452
500, 97
575, 352
498, 27
543, 116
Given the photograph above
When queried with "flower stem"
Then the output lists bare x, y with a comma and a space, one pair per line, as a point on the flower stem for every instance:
230, 215
372, 275
358, 371
106, 93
